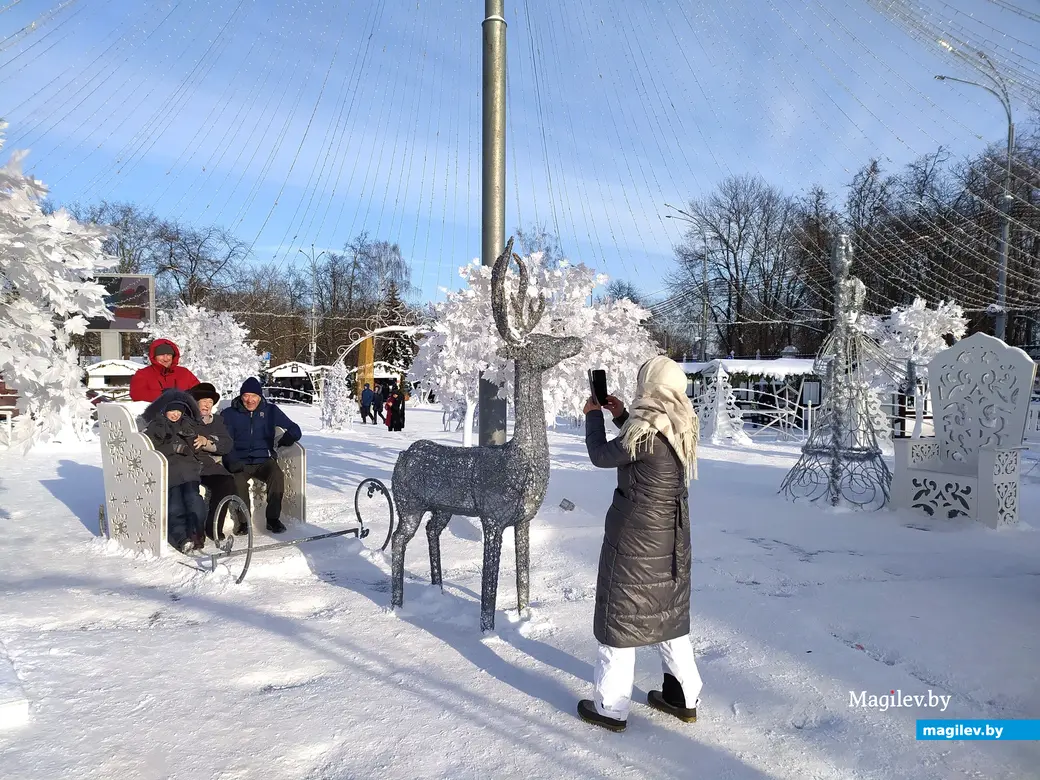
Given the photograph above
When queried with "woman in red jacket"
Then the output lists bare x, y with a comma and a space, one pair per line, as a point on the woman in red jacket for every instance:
163, 373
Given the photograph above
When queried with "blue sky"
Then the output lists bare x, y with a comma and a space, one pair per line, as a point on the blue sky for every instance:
300, 122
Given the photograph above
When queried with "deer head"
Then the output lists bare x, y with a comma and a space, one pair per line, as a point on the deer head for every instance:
516, 317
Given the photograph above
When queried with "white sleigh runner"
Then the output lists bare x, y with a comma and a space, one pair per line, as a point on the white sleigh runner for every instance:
980, 391
136, 484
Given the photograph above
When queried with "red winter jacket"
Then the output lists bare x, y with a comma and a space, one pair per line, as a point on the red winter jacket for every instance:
149, 382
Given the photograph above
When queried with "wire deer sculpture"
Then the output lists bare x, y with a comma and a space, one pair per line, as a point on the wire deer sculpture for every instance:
502, 485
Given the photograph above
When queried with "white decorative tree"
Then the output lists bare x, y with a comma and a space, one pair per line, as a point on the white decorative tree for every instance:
464, 340
213, 345
46, 263
915, 334
337, 402
718, 411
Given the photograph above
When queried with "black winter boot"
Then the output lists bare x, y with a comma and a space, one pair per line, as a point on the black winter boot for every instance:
670, 699
587, 712
276, 526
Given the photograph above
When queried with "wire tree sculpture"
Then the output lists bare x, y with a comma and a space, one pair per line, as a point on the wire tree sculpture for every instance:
842, 460
501, 485
721, 418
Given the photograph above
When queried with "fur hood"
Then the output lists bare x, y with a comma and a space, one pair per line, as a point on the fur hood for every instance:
157, 408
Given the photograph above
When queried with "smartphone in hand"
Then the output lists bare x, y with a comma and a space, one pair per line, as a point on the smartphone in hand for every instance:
598, 385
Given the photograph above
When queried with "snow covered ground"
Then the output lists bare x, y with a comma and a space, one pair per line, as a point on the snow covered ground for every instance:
141, 668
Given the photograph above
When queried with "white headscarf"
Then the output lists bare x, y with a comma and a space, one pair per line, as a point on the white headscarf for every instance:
661, 406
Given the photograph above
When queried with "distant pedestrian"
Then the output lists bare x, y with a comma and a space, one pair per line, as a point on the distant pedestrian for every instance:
377, 403
367, 397
395, 410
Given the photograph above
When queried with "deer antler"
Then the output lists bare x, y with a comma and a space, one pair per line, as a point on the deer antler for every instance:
526, 313
499, 306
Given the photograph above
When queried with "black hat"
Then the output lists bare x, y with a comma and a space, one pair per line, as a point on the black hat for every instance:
204, 390
179, 405
164, 349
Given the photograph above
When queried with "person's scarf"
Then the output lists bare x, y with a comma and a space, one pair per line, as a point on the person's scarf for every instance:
662, 407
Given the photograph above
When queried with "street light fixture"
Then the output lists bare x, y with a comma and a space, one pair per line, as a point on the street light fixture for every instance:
314, 292
1000, 323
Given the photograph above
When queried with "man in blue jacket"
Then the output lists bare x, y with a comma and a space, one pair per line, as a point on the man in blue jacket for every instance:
367, 396
251, 421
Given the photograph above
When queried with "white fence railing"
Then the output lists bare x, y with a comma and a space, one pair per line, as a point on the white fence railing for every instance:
782, 412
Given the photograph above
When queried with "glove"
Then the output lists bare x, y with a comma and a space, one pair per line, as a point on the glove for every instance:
286, 441
180, 448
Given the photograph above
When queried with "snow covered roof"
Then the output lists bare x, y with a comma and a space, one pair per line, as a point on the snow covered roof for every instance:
382, 370
778, 368
291, 369
115, 368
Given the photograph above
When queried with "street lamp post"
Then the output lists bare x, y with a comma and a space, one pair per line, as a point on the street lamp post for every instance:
492, 424
314, 295
1000, 323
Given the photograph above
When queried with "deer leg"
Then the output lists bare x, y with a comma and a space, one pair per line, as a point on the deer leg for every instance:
434, 526
489, 580
522, 539
403, 534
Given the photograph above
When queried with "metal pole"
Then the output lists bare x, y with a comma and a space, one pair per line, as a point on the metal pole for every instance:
1000, 328
314, 297
704, 304
493, 192
1000, 319
314, 322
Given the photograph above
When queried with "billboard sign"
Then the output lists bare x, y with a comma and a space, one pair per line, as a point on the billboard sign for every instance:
130, 298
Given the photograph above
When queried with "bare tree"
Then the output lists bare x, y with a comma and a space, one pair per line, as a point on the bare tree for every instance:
538, 238
388, 267
133, 237
196, 264
743, 234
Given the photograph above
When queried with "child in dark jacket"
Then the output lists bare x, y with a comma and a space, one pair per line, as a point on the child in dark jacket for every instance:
172, 425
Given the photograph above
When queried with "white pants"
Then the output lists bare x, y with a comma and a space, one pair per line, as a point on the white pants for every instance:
616, 672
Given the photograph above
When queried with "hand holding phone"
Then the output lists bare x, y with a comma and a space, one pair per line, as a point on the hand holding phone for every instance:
614, 406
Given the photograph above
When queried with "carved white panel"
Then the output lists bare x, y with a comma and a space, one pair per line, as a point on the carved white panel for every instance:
923, 452
937, 495
1007, 503
1005, 463
135, 482
980, 396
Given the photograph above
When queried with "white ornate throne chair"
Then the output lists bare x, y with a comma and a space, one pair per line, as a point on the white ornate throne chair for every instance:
980, 391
